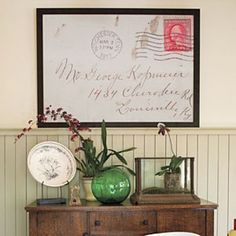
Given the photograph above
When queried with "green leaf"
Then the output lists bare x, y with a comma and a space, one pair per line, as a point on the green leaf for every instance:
104, 157
118, 166
165, 167
104, 134
175, 163
162, 172
104, 152
117, 154
130, 171
127, 150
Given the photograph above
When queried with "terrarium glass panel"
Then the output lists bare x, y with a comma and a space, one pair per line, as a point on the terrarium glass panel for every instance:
164, 180
162, 175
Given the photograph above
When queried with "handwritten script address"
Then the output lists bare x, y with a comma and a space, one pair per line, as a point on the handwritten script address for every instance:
141, 89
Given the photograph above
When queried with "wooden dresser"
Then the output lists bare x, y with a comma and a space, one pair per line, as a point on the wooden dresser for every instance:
92, 219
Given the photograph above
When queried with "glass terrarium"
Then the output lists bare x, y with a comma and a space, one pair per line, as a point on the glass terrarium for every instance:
164, 180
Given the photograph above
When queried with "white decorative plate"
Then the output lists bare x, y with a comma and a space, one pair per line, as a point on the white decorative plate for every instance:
52, 164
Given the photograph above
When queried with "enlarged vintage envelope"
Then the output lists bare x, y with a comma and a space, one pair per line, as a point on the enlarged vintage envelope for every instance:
121, 68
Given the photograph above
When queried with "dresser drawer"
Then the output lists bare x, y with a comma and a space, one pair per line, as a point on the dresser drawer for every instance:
59, 223
191, 220
122, 223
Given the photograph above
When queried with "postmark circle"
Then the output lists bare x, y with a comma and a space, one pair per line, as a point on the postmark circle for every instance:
106, 45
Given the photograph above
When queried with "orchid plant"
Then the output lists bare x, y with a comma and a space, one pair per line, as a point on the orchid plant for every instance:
73, 123
176, 161
93, 162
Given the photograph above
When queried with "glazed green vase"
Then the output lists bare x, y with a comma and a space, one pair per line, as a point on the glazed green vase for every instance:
111, 186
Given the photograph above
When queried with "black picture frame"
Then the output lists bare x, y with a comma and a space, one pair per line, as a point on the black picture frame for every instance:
188, 19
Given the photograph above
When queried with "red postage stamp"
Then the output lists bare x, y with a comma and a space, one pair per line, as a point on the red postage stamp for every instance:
177, 35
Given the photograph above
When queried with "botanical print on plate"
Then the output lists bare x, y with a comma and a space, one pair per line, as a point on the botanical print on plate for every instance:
51, 163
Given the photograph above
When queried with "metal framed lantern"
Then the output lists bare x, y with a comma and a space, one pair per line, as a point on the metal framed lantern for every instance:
157, 181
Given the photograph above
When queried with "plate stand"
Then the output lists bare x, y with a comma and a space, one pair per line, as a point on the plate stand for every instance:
48, 201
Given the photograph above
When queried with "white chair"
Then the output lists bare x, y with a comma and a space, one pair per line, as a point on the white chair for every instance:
173, 234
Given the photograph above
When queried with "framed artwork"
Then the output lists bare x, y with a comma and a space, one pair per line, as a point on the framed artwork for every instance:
130, 67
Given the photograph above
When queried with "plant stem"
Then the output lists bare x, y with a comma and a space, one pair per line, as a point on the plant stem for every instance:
171, 144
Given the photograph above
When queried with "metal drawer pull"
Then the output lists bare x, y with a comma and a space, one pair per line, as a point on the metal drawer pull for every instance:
145, 222
85, 234
97, 223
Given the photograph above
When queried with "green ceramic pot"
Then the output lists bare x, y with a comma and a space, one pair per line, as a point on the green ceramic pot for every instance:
111, 186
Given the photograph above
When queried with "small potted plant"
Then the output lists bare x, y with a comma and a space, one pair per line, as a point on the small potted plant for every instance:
94, 163
171, 171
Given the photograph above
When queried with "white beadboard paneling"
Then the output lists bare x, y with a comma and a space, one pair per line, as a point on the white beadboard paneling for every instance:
212, 183
223, 185
202, 169
149, 144
215, 163
63, 192
21, 188
181, 145
160, 151
10, 190
139, 141
160, 146
139, 144
232, 179
192, 151
2, 186
129, 156
32, 185
117, 143
212, 180
173, 138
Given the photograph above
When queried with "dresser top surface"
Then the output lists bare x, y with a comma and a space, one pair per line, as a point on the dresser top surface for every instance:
126, 205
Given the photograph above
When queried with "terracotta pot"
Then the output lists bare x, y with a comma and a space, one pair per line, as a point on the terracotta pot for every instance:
86, 181
172, 182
